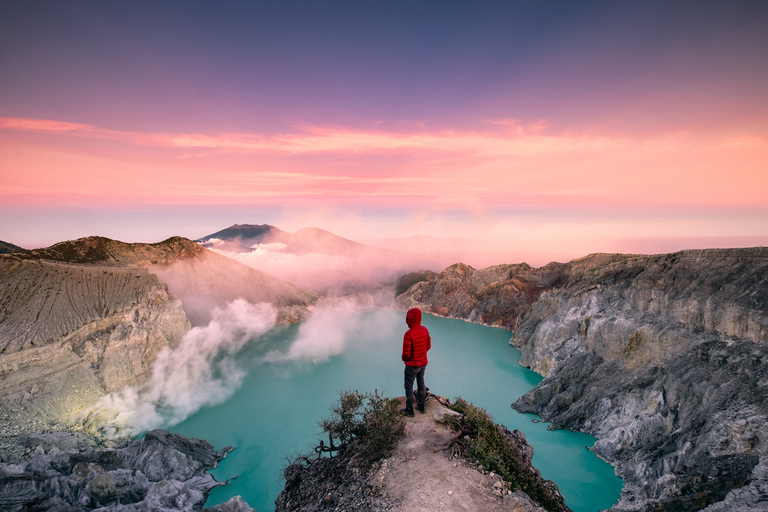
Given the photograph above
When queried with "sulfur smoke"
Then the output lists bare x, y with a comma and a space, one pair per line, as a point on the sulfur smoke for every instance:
332, 329
200, 372
323, 335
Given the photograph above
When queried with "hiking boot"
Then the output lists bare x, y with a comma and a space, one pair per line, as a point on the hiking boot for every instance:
421, 409
407, 412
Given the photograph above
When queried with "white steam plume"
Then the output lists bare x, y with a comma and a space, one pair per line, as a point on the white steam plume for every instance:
330, 331
201, 371
322, 336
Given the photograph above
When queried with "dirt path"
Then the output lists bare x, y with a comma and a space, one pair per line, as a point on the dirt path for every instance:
422, 476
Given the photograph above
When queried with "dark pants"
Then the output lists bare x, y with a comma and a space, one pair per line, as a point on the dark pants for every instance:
415, 373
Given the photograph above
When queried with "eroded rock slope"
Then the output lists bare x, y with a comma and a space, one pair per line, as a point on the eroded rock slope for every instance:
664, 358
72, 333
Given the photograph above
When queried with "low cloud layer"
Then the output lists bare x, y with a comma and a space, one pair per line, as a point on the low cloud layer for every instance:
201, 371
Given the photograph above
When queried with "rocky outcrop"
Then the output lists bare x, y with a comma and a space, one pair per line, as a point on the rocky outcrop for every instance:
162, 472
338, 483
663, 358
424, 470
680, 435
501, 295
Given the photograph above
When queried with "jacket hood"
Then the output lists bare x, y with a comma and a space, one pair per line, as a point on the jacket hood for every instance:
413, 317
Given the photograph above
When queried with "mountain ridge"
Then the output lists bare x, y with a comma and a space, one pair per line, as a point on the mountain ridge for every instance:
99, 249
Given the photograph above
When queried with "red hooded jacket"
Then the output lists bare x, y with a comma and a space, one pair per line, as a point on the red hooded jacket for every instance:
416, 341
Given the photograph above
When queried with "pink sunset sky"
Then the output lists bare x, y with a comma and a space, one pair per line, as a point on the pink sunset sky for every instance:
536, 131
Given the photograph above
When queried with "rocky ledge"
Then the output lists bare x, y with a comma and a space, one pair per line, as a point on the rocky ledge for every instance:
428, 468
663, 358
162, 472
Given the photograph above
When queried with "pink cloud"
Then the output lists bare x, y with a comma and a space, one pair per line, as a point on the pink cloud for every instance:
40, 125
504, 163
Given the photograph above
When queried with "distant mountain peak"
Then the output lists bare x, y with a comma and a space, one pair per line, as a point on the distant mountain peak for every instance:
245, 227
255, 232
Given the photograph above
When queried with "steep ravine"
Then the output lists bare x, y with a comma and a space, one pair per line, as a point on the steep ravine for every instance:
663, 358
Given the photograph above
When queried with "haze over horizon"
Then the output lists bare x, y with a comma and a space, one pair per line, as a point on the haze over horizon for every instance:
536, 131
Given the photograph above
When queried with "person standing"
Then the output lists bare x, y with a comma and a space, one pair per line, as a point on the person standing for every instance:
416, 343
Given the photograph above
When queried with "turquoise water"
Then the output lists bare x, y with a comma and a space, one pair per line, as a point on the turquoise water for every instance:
275, 412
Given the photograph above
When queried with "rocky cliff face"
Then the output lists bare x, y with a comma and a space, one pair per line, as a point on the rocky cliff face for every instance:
72, 333
663, 358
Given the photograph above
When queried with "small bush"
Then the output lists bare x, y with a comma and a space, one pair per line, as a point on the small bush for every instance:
368, 425
361, 429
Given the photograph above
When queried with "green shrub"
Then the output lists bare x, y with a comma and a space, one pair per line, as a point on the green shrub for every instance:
367, 424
